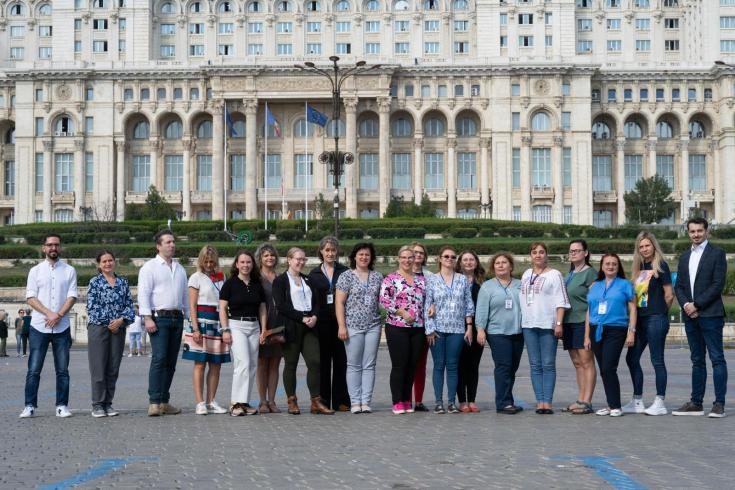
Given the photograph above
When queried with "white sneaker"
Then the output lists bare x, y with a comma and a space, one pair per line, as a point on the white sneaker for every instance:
130, 355
635, 405
366, 408
28, 412
657, 407
603, 412
616, 412
63, 411
201, 409
214, 407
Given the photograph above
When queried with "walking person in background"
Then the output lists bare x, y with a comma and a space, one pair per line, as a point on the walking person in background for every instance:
51, 291
543, 301
333, 358
135, 330
469, 360
654, 295
20, 340
26, 331
163, 299
3, 334
610, 325
699, 284
420, 256
271, 346
578, 281
110, 309
498, 317
359, 324
203, 340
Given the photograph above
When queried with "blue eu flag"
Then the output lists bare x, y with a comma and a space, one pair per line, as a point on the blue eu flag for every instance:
316, 117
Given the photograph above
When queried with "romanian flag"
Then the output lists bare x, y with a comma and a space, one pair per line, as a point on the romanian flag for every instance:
272, 122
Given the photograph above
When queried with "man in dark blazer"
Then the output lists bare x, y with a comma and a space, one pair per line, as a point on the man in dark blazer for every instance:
699, 285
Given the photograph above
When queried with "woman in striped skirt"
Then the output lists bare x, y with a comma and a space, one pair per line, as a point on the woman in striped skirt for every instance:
204, 342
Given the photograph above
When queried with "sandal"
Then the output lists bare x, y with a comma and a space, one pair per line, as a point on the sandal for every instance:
573, 406
584, 409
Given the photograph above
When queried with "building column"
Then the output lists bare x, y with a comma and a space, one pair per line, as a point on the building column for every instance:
78, 179
48, 179
351, 146
189, 146
557, 180
526, 186
620, 179
684, 176
218, 135
251, 158
720, 212
651, 147
384, 168
418, 168
157, 145
120, 180
451, 177
484, 176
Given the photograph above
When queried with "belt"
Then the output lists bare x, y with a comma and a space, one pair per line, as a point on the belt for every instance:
244, 318
173, 313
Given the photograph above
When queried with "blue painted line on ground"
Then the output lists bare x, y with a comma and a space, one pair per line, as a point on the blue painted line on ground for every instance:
104, 467
490, 381
607, 471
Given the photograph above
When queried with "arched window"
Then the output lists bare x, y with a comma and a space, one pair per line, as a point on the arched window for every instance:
431, 4
239, 127
401, 128
460, 5
342, 6
141, 131
44, 9
64, 126
696, 130
340, 128
313, 6
99, 4
401, 6
174, 131
168, 8
224, 7
10, 137
369, 128
466, 127
254, 7
284, 6
195, 8
541, 121
302, 128
372, 5
664, 130
434, 128
600, 131
204, 130
632, 130
17, 10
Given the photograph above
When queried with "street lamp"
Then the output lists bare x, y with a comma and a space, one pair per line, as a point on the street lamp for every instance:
487, 208
336, 159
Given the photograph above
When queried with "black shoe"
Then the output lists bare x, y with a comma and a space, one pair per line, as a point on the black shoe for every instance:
690, 408
548, 411
509, 410
718, 411
517, 408
439, 408
451, 408
420, 407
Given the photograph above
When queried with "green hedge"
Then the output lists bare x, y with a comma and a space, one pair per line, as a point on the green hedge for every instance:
289, 235
408, 232
463, 232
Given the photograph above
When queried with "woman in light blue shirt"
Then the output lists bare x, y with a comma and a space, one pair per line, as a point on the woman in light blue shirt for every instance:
450, 295
498, 320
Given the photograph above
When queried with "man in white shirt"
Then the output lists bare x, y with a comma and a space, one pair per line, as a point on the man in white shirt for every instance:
163, 302
51, 291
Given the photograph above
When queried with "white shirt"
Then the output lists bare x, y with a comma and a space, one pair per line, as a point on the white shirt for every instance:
694, 259
136, 326
161, 287
300, 295
540, 300
208, 289
51, 284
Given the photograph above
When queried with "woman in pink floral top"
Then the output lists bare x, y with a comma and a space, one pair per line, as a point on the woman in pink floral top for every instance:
402, 295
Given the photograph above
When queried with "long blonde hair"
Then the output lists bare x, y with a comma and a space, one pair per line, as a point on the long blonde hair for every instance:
208, 252
658, 255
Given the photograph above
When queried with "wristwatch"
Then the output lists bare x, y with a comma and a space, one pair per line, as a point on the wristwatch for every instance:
558, 324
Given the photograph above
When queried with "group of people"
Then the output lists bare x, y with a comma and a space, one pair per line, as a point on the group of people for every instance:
254, 316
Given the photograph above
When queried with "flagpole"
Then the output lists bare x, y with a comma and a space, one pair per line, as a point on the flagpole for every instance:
224, 162
306, 158
265, 166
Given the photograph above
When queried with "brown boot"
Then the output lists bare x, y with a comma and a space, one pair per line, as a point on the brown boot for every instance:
318, 407
293, 407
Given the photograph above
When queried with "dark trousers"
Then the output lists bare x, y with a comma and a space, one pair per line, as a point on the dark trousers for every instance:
705, 334
607, 352
404, 347
419, 377
469, 370
60, 345
105, 351
507, 351
165, 342
332, 365
305, 342
650, 331
24, 341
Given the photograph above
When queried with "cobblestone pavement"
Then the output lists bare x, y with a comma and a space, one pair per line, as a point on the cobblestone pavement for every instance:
380, 450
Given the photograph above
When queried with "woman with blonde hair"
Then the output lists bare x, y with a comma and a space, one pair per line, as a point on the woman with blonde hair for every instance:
204, 341
654, 295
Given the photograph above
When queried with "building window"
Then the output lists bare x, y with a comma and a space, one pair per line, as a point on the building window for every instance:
273, 172
167, 50
696, 130
516, 213
461, 47
643, 24
633, 171
257, 27
525, 19
402, 128
614, 45
401, 175
602, 218
541, 121
174, 131
89, 125
372, 48
342, 48
226, 27
542, 214
541, 167
664, 130
369, 128
39, 172
39, 126
431, 48
9, 186
304, 171
255, 49
612, 95
697, 173
525, 41
567, 219
632, 130
466, 170
566, 121
237, 173
566, 89
17, 53
503, 41
601, 173
671, 45
584, 46
434, 171
141, 173
128, 94
434, 128
64, 172
674, 23
584, 24
515, 121
63, 216
515, 89
174, 173
369, 171
567, 167
461, 26
89, 172
643, 45
516, 177
45, 31
665, 168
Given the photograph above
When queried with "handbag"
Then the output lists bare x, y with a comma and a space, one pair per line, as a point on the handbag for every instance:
275, 335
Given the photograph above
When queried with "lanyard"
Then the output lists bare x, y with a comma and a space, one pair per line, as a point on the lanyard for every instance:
329, 279
451, 287
505, 288
218, 288
607, 287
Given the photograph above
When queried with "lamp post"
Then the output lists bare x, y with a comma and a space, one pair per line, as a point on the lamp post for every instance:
336, 159
487, 208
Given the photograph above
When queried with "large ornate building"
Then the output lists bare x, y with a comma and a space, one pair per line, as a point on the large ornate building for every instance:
516, 109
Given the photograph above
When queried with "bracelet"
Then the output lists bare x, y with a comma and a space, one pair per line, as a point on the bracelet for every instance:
631, 329
225, 330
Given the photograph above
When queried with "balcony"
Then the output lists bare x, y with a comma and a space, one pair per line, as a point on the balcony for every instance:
436, 194
135, 197
542, 192
605, 196
63, 198
201, 197
468, 195
702, 196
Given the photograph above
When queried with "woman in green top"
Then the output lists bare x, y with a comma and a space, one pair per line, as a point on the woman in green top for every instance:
581, 276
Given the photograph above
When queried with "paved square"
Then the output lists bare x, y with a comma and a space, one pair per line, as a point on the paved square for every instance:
380, 450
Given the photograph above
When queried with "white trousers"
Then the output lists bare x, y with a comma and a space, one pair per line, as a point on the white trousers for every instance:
244, 352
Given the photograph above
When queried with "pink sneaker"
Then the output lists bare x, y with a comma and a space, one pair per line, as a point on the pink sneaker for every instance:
398, 408
408, 407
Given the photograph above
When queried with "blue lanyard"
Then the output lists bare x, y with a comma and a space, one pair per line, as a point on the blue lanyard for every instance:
451, 288
604, 293
329, 280
505, 288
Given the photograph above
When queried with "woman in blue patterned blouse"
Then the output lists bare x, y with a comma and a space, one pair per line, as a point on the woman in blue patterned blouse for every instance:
448, 324
110, 310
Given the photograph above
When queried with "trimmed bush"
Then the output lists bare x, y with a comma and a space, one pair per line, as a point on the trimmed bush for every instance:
724, 232
464, 232
287, 235
209, 236
382, 233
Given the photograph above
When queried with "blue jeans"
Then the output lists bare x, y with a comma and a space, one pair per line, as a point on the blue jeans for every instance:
445, 354
705, 334
362, 352
651, 331
507, 351
60, 345
18, 343
165, 342
541, 347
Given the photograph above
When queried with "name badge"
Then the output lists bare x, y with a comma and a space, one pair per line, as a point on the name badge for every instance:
509, 304
452, 305
330, 299
529, 297
602, 308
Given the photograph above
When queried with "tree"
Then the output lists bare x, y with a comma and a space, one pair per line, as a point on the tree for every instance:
322, 208
649, 201
398, 208
155, 208
395, 207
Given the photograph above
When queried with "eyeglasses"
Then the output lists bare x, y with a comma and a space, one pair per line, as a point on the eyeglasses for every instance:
405, 257
299, 259
418, 252
451, 257
572, 252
